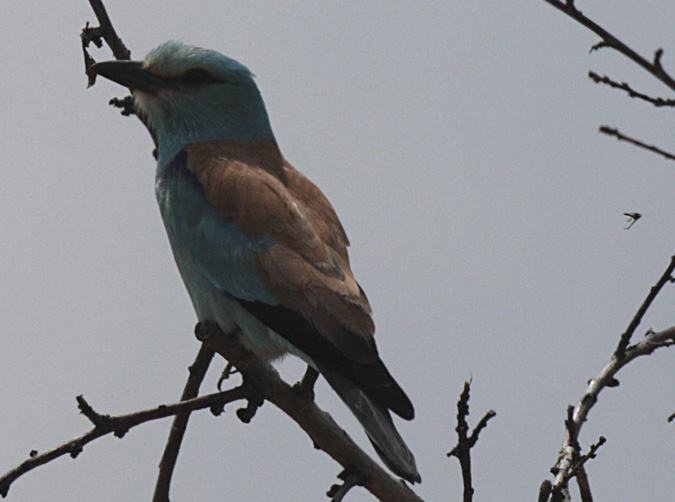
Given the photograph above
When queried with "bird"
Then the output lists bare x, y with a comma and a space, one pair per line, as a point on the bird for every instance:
259, 247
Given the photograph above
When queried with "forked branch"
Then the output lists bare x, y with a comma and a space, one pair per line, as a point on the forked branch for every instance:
570, 454
117, 425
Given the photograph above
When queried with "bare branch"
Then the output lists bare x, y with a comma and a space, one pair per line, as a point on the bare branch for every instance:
635, 322
107, 31
544, 491
318, 425
569, 454
465, 442
622, 137
166, 465
658, 102
338, 491
569, 458
609, 40
579, 471
305, 387
118, 425
583, 484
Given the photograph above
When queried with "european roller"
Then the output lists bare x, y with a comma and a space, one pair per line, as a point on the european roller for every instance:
259, 247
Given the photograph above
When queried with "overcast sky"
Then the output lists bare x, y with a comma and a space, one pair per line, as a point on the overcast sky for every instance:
458, 142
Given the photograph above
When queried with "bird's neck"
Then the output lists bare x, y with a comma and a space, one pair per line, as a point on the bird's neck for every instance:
238, 115
169, 145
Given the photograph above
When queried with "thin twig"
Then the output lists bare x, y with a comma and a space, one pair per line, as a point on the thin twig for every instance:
466, 441
622, 137
118, 425
463, 450
666, 277
108, 32
578, 469
658, 102
608, 40
167, 464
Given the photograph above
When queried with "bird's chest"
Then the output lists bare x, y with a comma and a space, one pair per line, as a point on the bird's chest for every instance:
215, 260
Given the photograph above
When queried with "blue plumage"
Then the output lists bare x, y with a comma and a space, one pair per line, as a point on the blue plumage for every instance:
233, 110
221, 250
259, 247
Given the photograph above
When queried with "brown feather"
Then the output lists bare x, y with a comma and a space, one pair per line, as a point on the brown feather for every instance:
307, 269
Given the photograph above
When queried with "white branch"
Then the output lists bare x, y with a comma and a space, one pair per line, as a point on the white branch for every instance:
606, 378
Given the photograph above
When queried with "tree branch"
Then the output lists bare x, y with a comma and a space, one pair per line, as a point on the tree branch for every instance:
166, 465
318, 425
579, 471
119, 425
622, 137
107, 31
666, 277
608, 40
569, 456
467, 441
338, 491
658, 102
570, 450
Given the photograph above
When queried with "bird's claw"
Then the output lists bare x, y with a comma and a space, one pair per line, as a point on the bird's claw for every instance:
229, 369
255, 401
205, 330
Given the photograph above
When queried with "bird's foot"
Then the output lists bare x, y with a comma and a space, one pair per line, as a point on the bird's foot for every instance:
206, 329
255, 400
125, 104
229, 370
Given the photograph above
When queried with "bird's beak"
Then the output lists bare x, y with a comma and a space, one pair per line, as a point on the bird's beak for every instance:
130, 74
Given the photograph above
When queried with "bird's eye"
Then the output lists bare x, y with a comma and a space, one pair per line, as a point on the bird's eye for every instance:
198, 77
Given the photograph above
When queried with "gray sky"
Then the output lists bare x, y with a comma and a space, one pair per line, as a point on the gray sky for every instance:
458, 142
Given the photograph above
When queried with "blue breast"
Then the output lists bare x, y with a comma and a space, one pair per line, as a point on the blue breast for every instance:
221, 250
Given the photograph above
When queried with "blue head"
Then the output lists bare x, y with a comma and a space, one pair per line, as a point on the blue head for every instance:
185, 94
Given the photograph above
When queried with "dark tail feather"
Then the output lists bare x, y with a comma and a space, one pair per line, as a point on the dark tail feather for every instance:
378, 425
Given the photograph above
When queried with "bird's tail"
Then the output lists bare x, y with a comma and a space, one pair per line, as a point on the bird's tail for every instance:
377, 422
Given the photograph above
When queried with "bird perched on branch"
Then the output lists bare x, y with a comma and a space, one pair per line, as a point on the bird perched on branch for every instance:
259, 247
